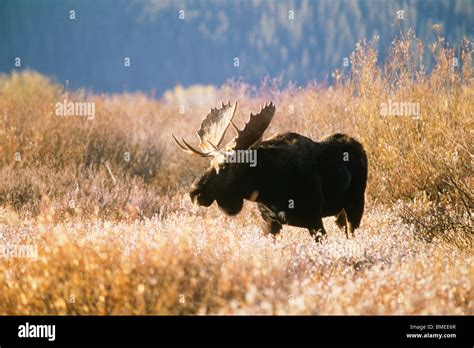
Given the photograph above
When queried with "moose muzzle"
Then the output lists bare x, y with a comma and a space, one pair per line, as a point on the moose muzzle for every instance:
199, 197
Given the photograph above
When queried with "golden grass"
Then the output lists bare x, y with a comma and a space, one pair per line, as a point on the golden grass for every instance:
198, 261
134, 244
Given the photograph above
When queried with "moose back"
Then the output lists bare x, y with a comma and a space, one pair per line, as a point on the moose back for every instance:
294, 180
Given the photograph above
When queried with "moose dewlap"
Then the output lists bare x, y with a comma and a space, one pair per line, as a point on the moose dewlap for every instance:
294, 180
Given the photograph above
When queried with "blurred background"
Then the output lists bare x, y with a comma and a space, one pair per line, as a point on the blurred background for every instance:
169, 43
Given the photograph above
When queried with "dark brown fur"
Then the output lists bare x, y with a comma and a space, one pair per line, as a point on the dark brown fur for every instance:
296, 181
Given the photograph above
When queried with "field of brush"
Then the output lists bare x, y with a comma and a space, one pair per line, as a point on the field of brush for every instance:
95, 216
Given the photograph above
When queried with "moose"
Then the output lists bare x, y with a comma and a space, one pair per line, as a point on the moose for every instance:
294, 180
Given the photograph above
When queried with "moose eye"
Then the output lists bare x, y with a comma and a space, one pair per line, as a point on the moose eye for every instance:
223, 167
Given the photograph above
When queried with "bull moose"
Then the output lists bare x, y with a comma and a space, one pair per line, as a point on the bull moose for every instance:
294, 180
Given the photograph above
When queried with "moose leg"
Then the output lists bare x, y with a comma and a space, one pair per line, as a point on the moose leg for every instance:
273, 227
318, 232
354, 215
270, 225
341, 221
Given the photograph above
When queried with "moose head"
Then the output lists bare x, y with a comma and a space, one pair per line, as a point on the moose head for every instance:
229, 179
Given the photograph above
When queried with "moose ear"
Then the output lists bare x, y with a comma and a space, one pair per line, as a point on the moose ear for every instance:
256, 144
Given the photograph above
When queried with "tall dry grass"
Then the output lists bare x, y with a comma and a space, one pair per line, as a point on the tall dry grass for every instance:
120, 236
198, 261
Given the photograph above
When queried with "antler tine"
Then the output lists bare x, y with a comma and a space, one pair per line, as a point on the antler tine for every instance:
188, 148
178, 143
214, 126
254, 128
211, 132
197, 152
235, 127
214, 146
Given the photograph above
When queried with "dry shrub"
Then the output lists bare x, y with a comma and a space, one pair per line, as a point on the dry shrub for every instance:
120, 237
201, 262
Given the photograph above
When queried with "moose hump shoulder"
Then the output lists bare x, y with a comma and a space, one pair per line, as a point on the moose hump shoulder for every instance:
293, 179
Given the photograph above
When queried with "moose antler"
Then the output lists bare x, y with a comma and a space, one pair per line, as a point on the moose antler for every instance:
214, 125
211, 132
254, 128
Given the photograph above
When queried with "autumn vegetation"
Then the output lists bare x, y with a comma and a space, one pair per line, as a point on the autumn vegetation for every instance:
105, 204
